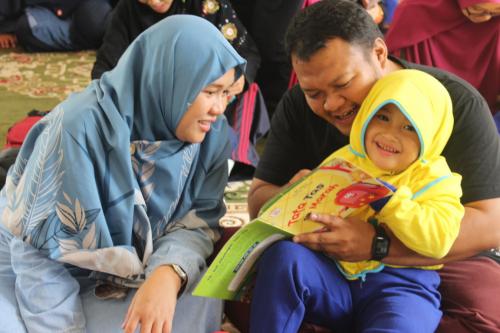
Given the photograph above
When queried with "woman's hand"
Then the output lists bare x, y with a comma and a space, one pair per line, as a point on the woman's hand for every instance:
482, 12
153, 305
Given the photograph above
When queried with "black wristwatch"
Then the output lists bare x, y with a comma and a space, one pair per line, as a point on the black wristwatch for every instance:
381, 242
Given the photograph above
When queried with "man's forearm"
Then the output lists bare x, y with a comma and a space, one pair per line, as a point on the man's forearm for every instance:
479, 231
260, 192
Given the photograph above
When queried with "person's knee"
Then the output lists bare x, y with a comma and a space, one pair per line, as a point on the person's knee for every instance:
26, 38
23, 30
282, 254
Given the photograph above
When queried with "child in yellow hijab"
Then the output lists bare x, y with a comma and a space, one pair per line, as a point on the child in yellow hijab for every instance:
398, 136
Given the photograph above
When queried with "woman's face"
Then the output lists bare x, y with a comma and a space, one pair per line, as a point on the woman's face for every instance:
203, 112
159, 6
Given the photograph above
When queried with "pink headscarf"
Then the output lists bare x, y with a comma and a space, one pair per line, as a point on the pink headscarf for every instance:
436, 33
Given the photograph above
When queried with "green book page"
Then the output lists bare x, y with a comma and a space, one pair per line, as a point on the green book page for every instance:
233, 264
336, 187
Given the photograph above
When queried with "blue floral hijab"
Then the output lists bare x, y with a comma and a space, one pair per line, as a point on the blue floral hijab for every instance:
103, 175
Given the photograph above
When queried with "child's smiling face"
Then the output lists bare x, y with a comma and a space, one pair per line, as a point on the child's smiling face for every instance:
391, 141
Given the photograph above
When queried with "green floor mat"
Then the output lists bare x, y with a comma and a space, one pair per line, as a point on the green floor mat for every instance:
38, 81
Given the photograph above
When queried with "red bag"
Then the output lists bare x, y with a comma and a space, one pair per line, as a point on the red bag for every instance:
17, 132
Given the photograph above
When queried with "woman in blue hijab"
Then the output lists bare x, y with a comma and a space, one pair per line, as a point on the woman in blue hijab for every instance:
120, 187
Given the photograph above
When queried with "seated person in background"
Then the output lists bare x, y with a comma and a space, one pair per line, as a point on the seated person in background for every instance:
248, 118
131, 17
338, 54
397, 136
460, 36
112, 207
9, 11
53, 25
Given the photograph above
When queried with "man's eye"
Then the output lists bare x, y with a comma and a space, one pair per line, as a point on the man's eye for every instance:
342, 85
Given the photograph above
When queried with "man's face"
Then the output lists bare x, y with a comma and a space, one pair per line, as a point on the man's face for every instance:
337, 78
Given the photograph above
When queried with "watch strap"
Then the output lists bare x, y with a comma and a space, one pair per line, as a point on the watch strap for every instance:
381, 241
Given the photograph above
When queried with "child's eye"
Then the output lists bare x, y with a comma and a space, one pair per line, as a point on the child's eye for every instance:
209, 93
382, 117
409, 128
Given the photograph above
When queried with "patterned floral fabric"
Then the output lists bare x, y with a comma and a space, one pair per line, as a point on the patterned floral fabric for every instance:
102, 178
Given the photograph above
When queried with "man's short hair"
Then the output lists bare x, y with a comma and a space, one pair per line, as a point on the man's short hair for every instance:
311, 28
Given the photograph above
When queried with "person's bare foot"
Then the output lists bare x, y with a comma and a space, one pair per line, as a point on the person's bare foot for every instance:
8, 41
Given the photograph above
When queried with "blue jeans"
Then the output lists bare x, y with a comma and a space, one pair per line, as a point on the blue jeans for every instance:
295, 284
39, 29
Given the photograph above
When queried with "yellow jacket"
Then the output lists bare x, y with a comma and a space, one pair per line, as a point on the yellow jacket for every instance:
425, 211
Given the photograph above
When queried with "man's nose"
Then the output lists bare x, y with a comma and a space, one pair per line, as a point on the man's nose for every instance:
333, 102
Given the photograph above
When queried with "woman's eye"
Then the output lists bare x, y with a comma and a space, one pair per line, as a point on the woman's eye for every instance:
313, 96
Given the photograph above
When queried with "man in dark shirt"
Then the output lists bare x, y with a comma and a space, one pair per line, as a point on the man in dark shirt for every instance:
338, 54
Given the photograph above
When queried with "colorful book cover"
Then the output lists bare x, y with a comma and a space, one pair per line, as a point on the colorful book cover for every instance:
336, 187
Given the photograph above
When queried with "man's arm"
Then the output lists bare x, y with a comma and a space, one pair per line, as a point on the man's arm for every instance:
261, 191
479, 231
351, 239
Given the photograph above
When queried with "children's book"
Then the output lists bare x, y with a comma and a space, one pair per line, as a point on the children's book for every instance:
336, 187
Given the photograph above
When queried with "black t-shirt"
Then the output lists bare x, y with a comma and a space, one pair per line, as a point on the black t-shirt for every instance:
301, 140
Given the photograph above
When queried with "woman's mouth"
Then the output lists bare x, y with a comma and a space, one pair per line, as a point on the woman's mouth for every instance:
205, 125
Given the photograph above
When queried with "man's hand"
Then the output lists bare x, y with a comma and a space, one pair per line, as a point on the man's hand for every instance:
347, 239
8, 41
153, 305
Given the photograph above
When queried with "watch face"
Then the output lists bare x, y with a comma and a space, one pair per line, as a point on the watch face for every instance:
381, 246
